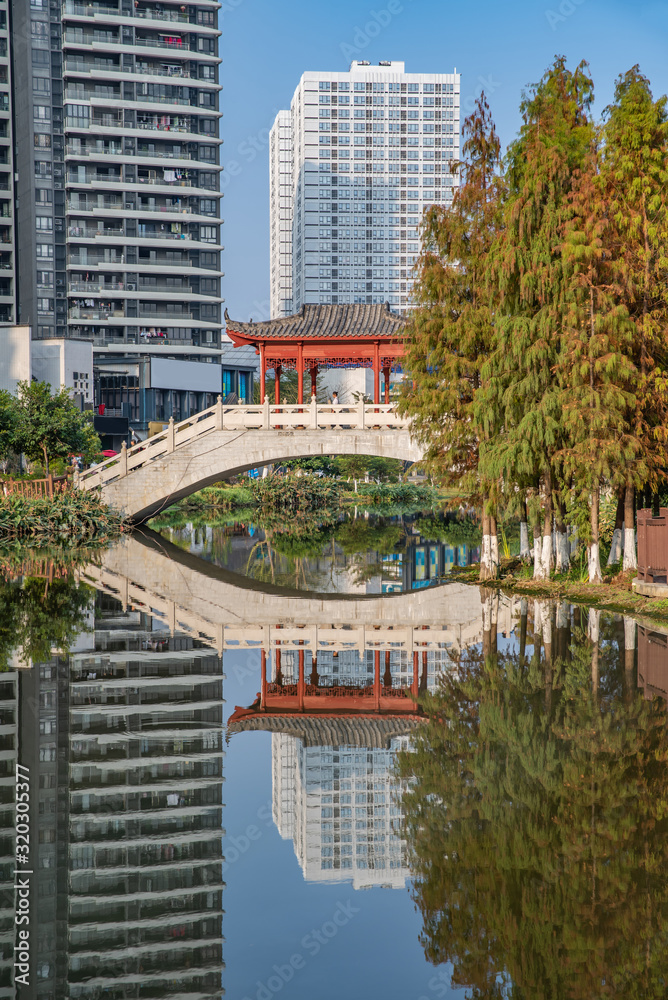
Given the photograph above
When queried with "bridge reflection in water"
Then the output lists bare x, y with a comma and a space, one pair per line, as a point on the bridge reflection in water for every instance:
124, 739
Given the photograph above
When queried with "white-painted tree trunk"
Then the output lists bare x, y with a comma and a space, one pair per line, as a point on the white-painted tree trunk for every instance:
594, 563
544, 559
487, 609
494, 555
525, 551
615, 547
546, 622
537, 618
563, 615
537, 555
486, 557
594, 624
630, 558
563, 559
629, 633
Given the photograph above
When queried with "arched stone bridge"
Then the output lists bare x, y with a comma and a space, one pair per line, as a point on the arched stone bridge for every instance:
224, 441
194, 596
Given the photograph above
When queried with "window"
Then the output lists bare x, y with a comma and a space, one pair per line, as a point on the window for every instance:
39, 29
43, 196
44, 223
45, 279
42, 168
42, 140
41, 85
44, 250
208, 234
41, 113
206, 17
40, 58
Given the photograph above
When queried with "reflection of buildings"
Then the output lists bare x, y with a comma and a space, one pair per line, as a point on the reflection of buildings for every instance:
425, 562
129, 855
337, 722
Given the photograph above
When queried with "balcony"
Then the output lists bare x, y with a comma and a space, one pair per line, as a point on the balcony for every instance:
90, 9
77, 36
152, 14
116, 150
92, 232
166, 42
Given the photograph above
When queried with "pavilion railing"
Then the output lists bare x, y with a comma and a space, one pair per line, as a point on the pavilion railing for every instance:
262, 416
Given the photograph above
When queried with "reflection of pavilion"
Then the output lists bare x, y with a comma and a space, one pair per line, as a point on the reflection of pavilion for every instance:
337, 721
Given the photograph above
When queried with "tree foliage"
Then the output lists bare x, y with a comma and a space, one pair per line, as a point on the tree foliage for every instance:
536, 815
538, 347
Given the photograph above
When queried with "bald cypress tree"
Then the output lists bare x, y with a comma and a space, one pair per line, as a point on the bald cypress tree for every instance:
450, 332
598, 374
635, 166
529, 271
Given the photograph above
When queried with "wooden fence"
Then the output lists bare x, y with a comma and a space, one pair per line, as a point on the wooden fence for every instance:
653, 546
50, 487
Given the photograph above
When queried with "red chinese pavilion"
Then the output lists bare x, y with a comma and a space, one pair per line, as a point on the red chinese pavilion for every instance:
325, 336
308, 697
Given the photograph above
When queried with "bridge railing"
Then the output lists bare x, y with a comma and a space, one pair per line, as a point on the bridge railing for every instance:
263, 416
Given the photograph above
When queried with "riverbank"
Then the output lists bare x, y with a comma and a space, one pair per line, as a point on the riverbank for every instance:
306, 494
72, 517
613, 595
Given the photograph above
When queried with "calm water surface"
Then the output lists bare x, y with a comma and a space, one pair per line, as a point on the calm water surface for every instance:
409, 793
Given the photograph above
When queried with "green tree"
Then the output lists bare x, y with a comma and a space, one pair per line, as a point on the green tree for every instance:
528, 267
598, 375
8, 425
37, 617
50, 425
635, 165
450, 331
536, 817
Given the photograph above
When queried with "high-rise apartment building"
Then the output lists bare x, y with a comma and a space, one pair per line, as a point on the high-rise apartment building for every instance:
118, 164
280, 197
7, 254
371, 148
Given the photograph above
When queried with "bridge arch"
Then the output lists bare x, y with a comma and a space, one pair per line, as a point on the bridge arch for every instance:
156, 485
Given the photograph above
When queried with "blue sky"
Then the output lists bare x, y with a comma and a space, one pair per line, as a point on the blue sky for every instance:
500, 44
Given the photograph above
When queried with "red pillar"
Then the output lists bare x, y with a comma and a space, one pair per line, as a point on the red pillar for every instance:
314, 671
423, 679
376, 678
300, 685
416, 673
376, 373
386, 376
279, 670
263, 689
277, 384
300, 373
263, 372
314, 376
387, 679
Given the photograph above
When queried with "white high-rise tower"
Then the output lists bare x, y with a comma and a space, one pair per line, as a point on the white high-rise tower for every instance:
370, 149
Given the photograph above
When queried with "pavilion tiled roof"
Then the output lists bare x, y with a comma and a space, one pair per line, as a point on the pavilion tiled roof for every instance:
333, 322
372, 732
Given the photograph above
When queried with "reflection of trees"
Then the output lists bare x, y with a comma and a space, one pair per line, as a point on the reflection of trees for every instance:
537, 819
37, 616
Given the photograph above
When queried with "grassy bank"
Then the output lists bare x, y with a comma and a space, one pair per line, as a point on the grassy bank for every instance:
306, 494
72, 517
614, 594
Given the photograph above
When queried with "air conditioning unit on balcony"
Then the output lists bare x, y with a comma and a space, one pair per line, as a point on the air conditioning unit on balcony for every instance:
129, 205
131, 287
